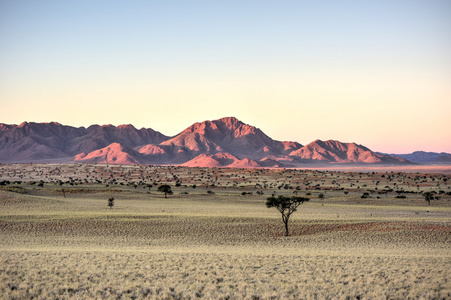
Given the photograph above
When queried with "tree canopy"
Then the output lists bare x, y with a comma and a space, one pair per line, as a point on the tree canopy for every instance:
166, 189
428, 196
286, 206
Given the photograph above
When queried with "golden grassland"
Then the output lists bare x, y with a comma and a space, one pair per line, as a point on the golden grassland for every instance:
212, 241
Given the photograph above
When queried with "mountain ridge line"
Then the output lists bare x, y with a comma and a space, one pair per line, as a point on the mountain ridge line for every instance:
224, 142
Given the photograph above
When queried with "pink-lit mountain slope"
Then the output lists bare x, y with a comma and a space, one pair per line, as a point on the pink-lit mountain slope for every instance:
337, 152
114, 153
228, 135
225, 142
221, 159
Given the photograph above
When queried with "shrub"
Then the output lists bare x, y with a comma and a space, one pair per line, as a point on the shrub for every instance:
111, 202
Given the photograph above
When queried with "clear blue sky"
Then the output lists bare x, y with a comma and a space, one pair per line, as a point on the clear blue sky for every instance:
373, 72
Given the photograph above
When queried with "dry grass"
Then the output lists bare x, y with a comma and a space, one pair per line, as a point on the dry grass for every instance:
124, 274
222, 245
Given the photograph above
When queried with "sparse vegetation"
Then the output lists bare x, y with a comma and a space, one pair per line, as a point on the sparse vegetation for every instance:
111, 202
224, 245
286, 206
428, 196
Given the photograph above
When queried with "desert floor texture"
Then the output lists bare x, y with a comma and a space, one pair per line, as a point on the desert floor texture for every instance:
363, 234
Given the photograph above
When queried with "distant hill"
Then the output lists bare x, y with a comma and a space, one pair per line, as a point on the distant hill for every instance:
221, 160
35, 142
225, 142
335, 151
425, 157
446, 158
113, 153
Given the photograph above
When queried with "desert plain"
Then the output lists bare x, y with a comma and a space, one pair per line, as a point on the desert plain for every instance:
364, 234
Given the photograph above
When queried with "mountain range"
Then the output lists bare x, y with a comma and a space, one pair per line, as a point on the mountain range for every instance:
424, 157
225, 142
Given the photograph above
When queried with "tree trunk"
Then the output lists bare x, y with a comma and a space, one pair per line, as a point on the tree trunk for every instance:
165, 195
286, 227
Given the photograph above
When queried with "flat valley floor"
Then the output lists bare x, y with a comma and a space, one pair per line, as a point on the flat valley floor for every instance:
363, 234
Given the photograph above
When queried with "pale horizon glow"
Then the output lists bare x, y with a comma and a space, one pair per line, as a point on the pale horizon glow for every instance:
375, 73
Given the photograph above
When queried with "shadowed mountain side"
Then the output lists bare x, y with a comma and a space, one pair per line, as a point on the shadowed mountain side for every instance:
443, 159
424, 157
34, 142
127, 135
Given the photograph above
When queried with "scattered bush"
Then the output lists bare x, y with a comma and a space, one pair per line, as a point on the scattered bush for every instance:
365, 195
14, 189
111, 202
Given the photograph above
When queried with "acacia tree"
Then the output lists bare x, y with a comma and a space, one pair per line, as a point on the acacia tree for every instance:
166, 189
286, 206
428, 196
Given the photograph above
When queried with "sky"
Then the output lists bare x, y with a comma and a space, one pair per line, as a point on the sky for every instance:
377, 73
